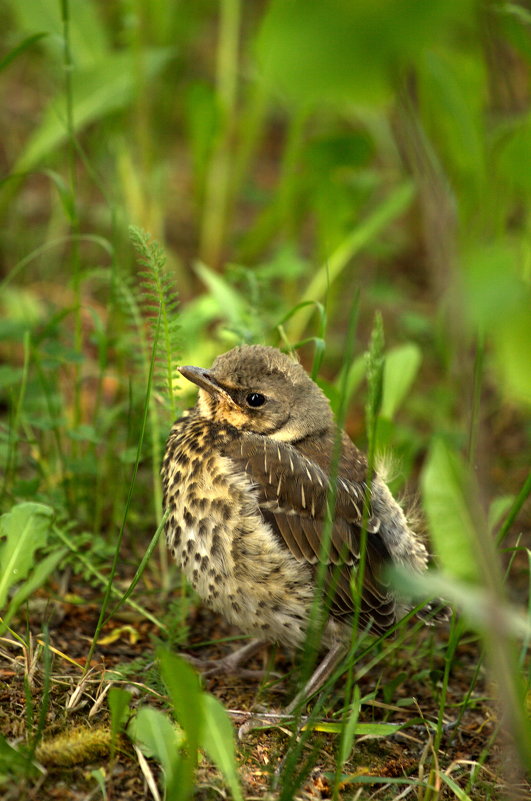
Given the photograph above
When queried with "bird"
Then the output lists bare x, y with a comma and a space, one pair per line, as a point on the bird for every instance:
249, 479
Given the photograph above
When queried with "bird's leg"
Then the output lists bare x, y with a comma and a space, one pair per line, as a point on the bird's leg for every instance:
321, 673
230, 663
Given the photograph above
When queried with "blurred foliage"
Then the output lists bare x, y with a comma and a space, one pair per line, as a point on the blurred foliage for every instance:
283, 155
286, 156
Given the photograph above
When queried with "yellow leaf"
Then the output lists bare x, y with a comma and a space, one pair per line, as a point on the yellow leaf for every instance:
116, 634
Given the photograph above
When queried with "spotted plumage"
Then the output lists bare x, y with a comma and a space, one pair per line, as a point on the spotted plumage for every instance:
246, 480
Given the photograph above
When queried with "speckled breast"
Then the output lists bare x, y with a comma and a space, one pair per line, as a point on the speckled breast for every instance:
217, 535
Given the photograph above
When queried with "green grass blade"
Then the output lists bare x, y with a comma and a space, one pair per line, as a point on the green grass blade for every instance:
20, 48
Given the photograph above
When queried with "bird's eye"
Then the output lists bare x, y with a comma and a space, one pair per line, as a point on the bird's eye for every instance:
255, 399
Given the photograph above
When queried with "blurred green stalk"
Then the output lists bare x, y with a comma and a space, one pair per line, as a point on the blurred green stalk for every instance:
217, 188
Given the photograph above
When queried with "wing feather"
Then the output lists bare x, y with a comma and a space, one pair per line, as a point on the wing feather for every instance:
293, 494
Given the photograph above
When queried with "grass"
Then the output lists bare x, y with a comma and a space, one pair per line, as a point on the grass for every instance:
260, 212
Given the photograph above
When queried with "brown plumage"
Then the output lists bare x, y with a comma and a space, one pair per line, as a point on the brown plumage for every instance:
246, 483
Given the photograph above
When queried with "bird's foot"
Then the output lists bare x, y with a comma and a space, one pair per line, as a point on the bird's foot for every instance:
231, 663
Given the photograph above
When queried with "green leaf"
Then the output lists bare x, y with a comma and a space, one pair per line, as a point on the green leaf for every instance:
158, 737
370, 729
444, 486
454, 787
451, 91
475, 603
36, 578
514, 153
98, 90
119, 700
337, 51
19, 49
400, 370
184, 690
12, 761
496, 289
356, 374
25, 529
354, 242
9, 375
88, 36
512, 353
230, 302
498, 508
217, 739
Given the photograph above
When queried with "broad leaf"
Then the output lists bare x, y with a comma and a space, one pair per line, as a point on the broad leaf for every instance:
153, 731
217, 739
108, 85
25, 529
33, 582
444, 488
185, 694
400, 370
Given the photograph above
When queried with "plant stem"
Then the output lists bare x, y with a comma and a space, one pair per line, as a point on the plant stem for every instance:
218, 177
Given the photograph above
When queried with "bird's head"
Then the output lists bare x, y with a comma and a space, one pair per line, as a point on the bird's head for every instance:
257, 388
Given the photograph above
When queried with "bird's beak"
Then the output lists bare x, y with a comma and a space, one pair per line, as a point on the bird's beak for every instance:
201, 377
205, 380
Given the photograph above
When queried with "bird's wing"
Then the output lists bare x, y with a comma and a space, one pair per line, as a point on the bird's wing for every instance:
293, 496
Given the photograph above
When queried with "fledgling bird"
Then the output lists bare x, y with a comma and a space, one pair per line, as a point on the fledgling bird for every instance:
246, 485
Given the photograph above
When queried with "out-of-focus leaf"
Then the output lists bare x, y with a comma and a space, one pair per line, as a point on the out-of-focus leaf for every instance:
451, 101
88, 37
498, 509
514, 155
106, 86
512, 355
336, 51
475, 603
444, 487
158, 738
12, 761
218, 741
367, 229
497, 304
32, 583
119, 700
400, 370
360, 729
185, 694
9, 375
230, 302
6, 60
25, 529
356, 374
202, 118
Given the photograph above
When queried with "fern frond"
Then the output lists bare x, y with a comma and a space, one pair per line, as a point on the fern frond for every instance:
158, 300
126, 302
